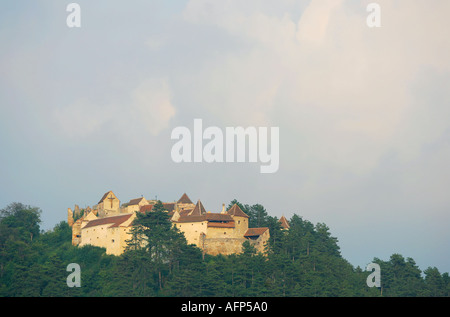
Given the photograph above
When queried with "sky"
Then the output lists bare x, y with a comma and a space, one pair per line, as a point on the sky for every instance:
363, 113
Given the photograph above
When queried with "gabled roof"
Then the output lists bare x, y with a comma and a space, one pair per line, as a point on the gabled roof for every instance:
198, 209
135, 201
208, 217
235, 210
221, 224
106, 195
215, 217
255, 232
184, 199
170, 207
191, 218
146, 208
284, 223
114, 221
185, 212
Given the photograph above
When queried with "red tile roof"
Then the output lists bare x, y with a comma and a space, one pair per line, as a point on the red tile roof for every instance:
209, 217
218, 217
198, 209
284, 222
184, 199
114, 221
135, 201
146, 208
104, 196
235, 210
191, 218
254, 232
221, 224
167, 206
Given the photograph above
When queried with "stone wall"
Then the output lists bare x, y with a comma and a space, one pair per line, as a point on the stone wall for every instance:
225, 246
192, 231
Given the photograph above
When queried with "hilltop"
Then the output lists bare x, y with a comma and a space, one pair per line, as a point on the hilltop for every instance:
304, 260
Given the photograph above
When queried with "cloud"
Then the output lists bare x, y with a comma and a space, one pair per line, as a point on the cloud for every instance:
362, 112
149, 106
342, 89
80, 119
315, 20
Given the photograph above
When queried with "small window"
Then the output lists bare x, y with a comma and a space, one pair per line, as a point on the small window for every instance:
112, 240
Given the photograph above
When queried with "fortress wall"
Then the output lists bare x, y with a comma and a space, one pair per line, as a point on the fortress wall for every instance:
95, 236
221, 233
226, 246
192, 231
241, 224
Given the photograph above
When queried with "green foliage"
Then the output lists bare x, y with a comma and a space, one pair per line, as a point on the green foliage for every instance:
257, 213
302, 261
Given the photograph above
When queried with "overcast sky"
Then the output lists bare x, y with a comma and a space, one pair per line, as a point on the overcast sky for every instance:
363, 113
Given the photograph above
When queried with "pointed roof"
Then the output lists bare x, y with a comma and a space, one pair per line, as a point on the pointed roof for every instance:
184, 199
284, 223
175, 216
235, 210
106, 195
198, 209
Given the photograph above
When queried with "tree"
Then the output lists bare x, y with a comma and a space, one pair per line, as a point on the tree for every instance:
302, 261
258, 216
22, 218
435, 285
244, 208
153, 233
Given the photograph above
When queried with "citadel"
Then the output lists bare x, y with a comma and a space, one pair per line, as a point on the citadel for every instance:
108, 224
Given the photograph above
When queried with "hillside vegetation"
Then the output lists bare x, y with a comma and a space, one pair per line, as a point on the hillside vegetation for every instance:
302, 261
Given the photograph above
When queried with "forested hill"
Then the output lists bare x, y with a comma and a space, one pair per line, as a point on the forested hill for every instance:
302, 261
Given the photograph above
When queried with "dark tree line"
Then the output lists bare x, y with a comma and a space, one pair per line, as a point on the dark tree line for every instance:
302, 261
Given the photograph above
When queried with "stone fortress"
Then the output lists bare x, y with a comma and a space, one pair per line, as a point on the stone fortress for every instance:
108, 224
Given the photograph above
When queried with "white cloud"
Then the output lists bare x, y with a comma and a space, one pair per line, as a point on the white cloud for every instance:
315, 20
344, 88
152, 106
79, 119
148, 106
